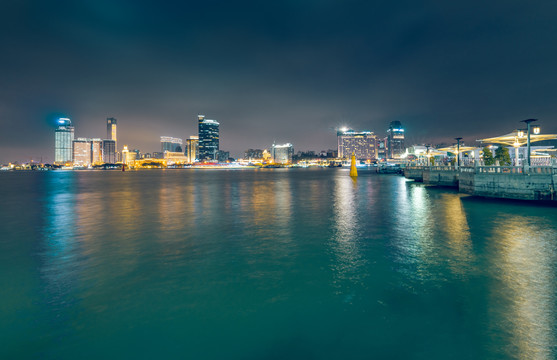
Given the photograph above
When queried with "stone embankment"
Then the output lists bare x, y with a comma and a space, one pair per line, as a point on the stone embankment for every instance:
534, 183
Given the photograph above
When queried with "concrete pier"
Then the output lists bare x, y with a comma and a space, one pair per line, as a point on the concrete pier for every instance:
535, 183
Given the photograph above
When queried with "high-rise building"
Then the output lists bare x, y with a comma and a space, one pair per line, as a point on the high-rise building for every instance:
208, 138
282, 154
171, 144
109, 151
111, 127
362, 143
192, 149
81, 152
395, 140
64, 135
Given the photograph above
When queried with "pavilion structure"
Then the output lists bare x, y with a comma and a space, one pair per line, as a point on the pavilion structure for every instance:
517, 139
455, 149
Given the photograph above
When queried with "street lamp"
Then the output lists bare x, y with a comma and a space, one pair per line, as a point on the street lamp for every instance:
458, 151
528, 121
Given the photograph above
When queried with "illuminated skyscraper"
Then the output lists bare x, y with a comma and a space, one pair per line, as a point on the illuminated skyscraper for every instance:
63, 148
282, 154
111, 126
171, 144
208, 138
192, 149
362, 143
395, 140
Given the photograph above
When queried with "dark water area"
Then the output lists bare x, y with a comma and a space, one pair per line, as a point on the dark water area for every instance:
270, 264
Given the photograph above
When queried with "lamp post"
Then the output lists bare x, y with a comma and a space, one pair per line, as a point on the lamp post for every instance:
528, 121
458, 151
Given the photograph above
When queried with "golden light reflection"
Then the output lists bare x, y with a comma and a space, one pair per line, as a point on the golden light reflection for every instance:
457, 231
526, 296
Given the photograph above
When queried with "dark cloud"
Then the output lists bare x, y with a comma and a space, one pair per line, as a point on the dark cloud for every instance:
284, 71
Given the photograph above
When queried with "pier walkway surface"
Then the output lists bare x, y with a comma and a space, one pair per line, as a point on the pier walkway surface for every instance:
509, 182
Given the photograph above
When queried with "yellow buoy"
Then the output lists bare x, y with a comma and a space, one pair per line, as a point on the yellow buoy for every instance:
353, 170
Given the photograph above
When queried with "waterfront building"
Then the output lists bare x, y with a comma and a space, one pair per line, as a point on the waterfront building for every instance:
362, 143
109, 151
111, 127
63, 137
253, 154
382, 148
395, 140
208, 138
128, 157
81, 152
282, 154
173, 157
171, 144
87, 152
96, 151
192, 149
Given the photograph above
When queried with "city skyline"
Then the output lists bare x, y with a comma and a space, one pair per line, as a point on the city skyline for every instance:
289, 72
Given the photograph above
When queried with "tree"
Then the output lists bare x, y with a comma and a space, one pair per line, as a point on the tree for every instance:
488, 156
502, 154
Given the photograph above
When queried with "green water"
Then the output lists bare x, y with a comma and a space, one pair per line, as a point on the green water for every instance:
270, 264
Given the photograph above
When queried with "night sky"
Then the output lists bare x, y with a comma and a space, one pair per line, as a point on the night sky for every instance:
284, 71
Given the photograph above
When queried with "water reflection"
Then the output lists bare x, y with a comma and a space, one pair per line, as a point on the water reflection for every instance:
59, 268
459, 252
414, 231
348, 265
524, 302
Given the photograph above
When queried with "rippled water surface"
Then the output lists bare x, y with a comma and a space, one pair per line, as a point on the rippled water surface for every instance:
270, 264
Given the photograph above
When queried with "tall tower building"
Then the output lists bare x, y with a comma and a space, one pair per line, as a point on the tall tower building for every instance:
64, 136
208, 138
111, 126
395, 140
362, 143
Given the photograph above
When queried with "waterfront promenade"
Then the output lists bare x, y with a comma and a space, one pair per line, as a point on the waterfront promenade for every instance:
509, 182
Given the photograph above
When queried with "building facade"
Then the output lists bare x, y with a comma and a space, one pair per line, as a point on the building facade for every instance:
171, 144
128, 157
63, 138
208, 138
395, 140
362, 143
109, 151
282, 154
87, 152
81, 152
253, 154
192, 149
